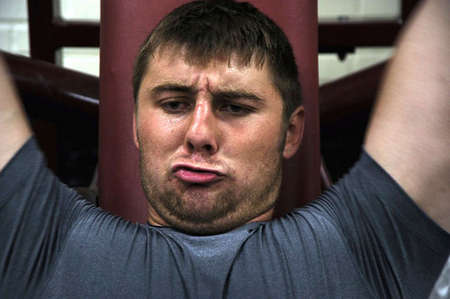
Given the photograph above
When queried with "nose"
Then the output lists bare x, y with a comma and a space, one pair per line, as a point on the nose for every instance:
201, 135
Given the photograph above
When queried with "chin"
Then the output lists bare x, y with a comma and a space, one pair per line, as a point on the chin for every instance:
201, 216
212, 217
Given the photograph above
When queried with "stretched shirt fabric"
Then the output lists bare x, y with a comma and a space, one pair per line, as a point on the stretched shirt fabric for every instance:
363, 239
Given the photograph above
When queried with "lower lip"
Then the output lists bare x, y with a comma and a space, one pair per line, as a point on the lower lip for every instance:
196, 177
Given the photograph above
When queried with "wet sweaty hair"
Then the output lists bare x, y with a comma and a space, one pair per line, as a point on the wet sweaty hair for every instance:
207, 30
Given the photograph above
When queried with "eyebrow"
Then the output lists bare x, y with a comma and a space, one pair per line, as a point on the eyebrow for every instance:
236, 94
220, 94
173, 87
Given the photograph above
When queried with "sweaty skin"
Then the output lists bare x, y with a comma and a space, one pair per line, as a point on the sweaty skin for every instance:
409, 134
14, 129
211, 143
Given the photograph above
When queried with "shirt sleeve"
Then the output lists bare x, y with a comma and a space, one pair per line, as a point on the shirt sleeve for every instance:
398, 248
36, 211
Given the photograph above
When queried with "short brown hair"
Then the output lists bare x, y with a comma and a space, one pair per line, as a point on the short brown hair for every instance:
220, 28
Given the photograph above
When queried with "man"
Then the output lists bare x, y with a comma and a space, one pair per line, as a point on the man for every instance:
226, 98
217, 108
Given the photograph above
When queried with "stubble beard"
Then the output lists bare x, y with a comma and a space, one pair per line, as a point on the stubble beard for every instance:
231, 207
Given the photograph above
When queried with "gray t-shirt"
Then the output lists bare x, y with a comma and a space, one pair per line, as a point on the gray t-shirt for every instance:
363, 239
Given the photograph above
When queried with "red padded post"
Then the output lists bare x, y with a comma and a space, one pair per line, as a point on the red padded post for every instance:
124, 25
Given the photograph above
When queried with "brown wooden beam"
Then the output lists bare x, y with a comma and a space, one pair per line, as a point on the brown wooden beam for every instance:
76, 34
407, 8
349, 95
347, 35
40, 18
54, 85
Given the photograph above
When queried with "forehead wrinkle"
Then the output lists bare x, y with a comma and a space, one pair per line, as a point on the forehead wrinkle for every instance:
202, 80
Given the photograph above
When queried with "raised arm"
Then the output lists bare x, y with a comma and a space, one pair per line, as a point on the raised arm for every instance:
14, 129
409, 133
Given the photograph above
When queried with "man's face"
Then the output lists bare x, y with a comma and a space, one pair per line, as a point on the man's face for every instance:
211, 140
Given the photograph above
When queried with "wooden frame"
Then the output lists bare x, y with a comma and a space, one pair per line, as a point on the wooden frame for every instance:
49, 32
337, 37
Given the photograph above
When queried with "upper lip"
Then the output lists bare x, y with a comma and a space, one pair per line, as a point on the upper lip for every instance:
190, 167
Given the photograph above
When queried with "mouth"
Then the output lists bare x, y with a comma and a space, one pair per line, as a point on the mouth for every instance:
196, 175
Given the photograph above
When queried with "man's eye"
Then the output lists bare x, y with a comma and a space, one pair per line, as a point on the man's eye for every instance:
175, 106
235, 109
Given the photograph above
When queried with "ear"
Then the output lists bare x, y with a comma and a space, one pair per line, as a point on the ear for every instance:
294, 132
136, 140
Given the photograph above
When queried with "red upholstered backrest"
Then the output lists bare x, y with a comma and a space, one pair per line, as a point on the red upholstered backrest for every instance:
124, 25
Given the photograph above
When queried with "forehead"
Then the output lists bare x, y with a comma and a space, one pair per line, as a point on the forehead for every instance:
173, 66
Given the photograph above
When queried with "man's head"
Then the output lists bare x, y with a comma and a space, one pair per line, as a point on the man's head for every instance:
205, 30
217, 107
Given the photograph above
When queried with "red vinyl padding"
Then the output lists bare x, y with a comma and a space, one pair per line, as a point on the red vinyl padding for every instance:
124, 25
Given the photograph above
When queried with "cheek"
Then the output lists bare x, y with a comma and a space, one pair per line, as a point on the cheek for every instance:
256, 148
158, 135
158, 141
